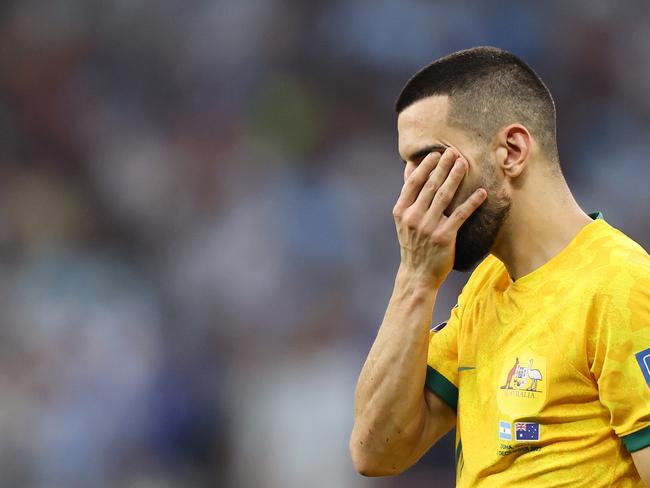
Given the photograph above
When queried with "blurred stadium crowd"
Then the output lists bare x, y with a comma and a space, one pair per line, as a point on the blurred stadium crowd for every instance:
196, 238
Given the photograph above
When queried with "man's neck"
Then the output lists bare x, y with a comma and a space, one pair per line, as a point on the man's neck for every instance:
539, 226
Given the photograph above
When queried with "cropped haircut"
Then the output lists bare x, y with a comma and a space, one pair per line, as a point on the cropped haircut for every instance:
488, 88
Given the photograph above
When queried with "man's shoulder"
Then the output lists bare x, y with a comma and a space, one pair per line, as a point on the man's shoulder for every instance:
615, 252
612, 268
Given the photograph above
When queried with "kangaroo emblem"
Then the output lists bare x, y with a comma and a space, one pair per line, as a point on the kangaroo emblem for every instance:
510, 375
519, 375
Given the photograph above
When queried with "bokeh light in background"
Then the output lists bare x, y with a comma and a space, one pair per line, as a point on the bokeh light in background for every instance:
196, 237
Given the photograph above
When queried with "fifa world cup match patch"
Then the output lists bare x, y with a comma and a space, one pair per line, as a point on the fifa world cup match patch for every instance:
527, 431
643, 358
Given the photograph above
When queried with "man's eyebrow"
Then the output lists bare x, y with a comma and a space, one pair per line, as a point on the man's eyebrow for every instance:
421, 153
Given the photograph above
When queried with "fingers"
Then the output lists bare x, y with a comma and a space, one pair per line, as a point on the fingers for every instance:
464, 210
415, 181
435, 180
447, 190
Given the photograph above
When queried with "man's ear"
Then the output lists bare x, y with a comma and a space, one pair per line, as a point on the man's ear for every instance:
513, 149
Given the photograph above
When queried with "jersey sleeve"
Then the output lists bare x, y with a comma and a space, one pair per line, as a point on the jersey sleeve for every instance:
442, 358
621, 358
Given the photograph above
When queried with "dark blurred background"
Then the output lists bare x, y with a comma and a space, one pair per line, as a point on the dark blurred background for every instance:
196, 238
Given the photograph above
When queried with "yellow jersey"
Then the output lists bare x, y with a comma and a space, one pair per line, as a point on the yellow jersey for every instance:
550, 374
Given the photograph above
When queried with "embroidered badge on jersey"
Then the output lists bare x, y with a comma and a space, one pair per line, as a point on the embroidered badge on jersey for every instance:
523, 384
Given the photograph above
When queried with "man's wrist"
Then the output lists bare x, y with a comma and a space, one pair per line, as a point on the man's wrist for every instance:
416, 283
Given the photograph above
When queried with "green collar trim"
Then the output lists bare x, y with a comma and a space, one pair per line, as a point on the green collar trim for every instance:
597, 215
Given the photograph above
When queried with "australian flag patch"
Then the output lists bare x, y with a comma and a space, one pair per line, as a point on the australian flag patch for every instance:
643, 358
527, 431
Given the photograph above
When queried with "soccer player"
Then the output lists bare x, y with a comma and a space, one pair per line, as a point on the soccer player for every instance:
544, 365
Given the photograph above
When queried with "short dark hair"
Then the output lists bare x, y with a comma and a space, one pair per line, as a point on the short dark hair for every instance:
488, 88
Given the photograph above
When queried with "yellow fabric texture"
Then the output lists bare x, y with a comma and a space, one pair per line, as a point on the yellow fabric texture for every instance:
555, 357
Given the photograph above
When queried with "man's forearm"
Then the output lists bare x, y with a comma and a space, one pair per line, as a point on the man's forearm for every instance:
394, 423
389, 406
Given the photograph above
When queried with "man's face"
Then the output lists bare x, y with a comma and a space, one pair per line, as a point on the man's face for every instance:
423, 128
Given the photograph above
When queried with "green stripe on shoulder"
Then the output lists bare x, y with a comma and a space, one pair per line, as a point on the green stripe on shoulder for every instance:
637, 440
442, 387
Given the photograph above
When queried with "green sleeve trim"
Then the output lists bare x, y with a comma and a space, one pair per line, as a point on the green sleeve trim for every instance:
637, 440
442, 387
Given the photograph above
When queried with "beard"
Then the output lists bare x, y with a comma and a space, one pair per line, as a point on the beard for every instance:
478, 233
